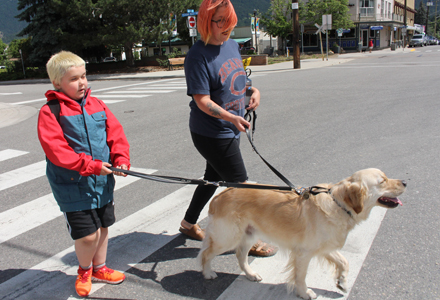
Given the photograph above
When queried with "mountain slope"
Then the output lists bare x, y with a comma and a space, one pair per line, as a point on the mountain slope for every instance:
9, 25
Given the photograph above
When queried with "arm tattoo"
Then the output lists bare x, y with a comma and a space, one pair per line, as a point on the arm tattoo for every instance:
215, 110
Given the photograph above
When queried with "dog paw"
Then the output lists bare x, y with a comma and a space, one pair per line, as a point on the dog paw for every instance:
342, 285
309, 294
254, 277
210, 275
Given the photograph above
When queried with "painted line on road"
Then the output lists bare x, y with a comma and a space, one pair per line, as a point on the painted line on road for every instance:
165, 87
22, 175
143, 92
20, 219
7, 94
11, 153
99, 90
119, 96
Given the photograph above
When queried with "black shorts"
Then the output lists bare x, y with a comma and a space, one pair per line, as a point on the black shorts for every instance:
83, 223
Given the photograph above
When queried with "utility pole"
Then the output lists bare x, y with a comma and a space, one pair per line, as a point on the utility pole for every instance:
255, 27
295, 36
428, 4
404, 25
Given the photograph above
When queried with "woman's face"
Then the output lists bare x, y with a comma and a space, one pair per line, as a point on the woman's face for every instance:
220, 33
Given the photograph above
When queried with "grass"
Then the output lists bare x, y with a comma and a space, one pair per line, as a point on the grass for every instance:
283, 58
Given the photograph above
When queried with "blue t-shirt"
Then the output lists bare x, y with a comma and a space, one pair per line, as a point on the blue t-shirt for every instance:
216, 71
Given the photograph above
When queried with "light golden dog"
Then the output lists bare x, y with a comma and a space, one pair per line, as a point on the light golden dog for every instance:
317, 226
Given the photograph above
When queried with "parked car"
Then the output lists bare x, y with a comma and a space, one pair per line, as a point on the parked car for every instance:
2, 67
418, 40
110, 59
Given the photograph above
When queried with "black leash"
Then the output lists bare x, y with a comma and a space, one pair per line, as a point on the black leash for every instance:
180, 180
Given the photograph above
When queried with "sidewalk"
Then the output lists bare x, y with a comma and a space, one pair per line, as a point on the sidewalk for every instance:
11, 114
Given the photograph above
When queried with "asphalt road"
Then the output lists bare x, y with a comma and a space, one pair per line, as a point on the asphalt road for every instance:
314, 125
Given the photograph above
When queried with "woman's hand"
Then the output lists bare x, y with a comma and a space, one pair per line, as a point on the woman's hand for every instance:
254, 102
240, 123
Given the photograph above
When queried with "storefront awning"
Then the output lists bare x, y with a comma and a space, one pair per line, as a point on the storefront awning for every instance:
376, 27
242, 40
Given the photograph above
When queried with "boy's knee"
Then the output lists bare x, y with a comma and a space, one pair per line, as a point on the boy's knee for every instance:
90, 239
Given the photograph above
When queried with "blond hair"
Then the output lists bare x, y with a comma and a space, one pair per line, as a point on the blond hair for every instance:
60, 63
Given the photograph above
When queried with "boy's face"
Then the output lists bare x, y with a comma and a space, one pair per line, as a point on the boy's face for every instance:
73, 83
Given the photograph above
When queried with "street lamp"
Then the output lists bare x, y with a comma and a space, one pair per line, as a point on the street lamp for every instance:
428, 4
255, 30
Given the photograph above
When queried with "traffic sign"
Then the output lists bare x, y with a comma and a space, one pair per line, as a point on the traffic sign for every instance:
191, 22
195, 13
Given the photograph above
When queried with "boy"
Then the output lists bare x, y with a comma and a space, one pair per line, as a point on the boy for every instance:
81, 140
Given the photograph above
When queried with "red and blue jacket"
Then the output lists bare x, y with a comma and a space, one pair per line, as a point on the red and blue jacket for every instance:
86, 135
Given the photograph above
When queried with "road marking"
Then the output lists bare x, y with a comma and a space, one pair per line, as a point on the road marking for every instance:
7, 94
142, 92
20, 219
160, 87
130, 241
99, 90
10, 153
22, 175
29, 101
119, 96
112, 101
319, 276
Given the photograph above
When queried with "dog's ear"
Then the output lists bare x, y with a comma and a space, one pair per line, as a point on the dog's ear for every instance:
354, 196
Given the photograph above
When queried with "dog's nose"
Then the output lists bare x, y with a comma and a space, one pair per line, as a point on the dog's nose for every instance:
404, 183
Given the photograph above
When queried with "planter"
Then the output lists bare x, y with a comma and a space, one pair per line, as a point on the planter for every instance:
257, 60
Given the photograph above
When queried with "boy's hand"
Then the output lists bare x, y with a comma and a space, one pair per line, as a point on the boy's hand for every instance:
123, 167
104, 169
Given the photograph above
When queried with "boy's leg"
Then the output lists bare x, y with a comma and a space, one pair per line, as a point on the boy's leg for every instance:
86, 248
101, 250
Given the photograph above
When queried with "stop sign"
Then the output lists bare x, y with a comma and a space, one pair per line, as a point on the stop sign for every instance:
191, 22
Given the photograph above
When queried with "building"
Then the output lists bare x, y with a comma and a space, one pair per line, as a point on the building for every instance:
382, 21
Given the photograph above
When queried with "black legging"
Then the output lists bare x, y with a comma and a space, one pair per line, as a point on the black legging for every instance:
223, 163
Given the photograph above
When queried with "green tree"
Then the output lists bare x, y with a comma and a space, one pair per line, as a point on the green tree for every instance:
314, 9
420, 15
86, 26
3, 47
278, 21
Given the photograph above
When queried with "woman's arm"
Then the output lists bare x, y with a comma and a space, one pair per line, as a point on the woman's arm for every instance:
205, 104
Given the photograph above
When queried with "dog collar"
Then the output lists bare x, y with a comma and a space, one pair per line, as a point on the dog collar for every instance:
346, 210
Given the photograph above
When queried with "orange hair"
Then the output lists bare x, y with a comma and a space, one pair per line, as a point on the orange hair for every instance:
207, 9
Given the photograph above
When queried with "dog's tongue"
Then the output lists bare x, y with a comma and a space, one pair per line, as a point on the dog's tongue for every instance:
395, 200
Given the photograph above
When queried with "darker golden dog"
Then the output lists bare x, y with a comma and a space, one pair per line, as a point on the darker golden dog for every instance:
317, 226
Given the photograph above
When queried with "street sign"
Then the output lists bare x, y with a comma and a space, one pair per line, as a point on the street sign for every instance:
192, 32
190, 14
191, 22
327, 22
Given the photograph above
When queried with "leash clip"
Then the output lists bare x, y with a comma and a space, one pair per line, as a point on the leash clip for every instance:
214, 183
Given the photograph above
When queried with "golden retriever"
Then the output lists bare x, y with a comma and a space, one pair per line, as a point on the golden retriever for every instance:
306, 226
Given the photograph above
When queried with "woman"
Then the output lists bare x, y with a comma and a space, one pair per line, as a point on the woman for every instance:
216, 82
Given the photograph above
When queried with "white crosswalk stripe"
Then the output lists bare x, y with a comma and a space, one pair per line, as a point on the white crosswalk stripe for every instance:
27, 216
22, 175
10, 153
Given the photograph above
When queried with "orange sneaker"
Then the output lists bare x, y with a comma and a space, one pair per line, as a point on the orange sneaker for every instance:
83, 283
108, 276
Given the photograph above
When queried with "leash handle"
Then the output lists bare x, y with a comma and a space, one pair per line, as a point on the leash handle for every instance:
281, 176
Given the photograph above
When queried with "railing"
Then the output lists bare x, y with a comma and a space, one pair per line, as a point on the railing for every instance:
374, 17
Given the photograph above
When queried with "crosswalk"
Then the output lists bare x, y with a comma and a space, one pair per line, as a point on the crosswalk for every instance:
131, 91
141, 234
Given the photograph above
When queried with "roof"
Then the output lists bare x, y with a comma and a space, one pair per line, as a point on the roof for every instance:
242, 40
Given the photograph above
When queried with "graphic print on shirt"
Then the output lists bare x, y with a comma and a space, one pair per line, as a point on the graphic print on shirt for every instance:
233, 68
